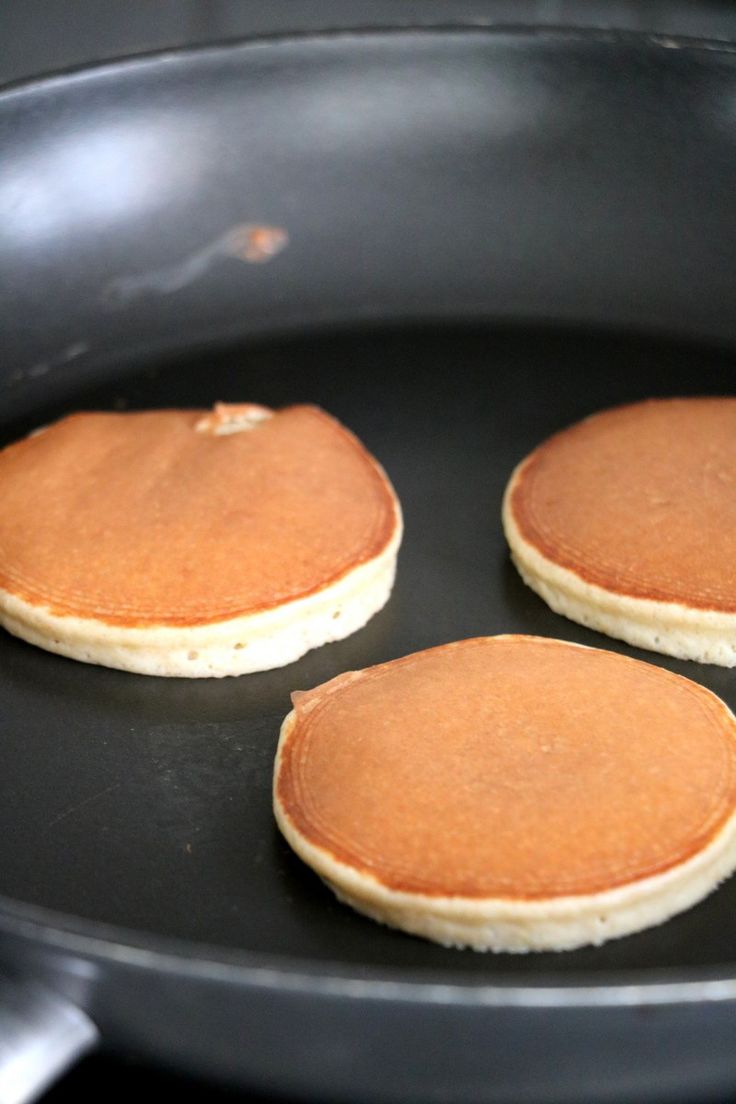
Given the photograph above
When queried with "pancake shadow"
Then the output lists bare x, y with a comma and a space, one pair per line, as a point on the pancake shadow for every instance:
699, 937
62, 688
526, 612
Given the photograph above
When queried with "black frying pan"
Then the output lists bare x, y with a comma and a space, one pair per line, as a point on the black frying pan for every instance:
477, 194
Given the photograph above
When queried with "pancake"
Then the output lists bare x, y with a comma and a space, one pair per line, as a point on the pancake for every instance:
193, 543
626, 522
511, 793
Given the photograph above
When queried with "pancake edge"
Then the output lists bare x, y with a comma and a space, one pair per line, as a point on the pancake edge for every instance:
237, 646
519, 925
669, 628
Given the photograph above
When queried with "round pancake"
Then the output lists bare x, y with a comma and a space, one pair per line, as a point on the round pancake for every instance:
189, 543
511, 793
626, 522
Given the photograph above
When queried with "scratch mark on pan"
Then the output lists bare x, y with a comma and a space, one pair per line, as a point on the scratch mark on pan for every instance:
665, 42
81, 804
246, 241
42, 367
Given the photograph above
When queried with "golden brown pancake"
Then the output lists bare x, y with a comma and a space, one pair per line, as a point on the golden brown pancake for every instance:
511, 793
193, 543
626, 522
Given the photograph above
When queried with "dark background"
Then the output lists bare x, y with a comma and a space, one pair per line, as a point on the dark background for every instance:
39, 36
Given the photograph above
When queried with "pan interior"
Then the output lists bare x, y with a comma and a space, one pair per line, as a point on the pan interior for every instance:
145, 802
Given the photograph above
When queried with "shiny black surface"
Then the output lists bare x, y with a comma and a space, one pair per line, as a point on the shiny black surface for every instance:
39, 37
537, 176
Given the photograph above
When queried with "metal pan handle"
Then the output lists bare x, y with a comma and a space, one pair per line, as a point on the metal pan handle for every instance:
41, 1035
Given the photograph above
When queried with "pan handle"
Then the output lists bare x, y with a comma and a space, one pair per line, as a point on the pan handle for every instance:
41, 1035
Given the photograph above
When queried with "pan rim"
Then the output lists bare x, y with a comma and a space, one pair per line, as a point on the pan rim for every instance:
559, 32
95, 941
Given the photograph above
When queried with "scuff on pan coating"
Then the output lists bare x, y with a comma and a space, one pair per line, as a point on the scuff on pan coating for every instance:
252, 243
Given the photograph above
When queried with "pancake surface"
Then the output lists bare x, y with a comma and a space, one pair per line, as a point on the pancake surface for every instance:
511, 793
193, 543
626, 522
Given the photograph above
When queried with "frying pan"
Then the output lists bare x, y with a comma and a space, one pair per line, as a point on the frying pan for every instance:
490, 235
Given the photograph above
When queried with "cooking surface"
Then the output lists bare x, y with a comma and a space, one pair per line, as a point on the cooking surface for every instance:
146, 802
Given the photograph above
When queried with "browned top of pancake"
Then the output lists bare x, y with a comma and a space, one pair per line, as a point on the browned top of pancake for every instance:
139, 519
640, 500
509, 767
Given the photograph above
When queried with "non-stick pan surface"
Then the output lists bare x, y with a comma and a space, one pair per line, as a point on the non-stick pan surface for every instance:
139, 807
145, 802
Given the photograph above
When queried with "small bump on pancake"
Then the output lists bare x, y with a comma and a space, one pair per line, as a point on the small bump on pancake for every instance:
194, 543
626, 523
511, 793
